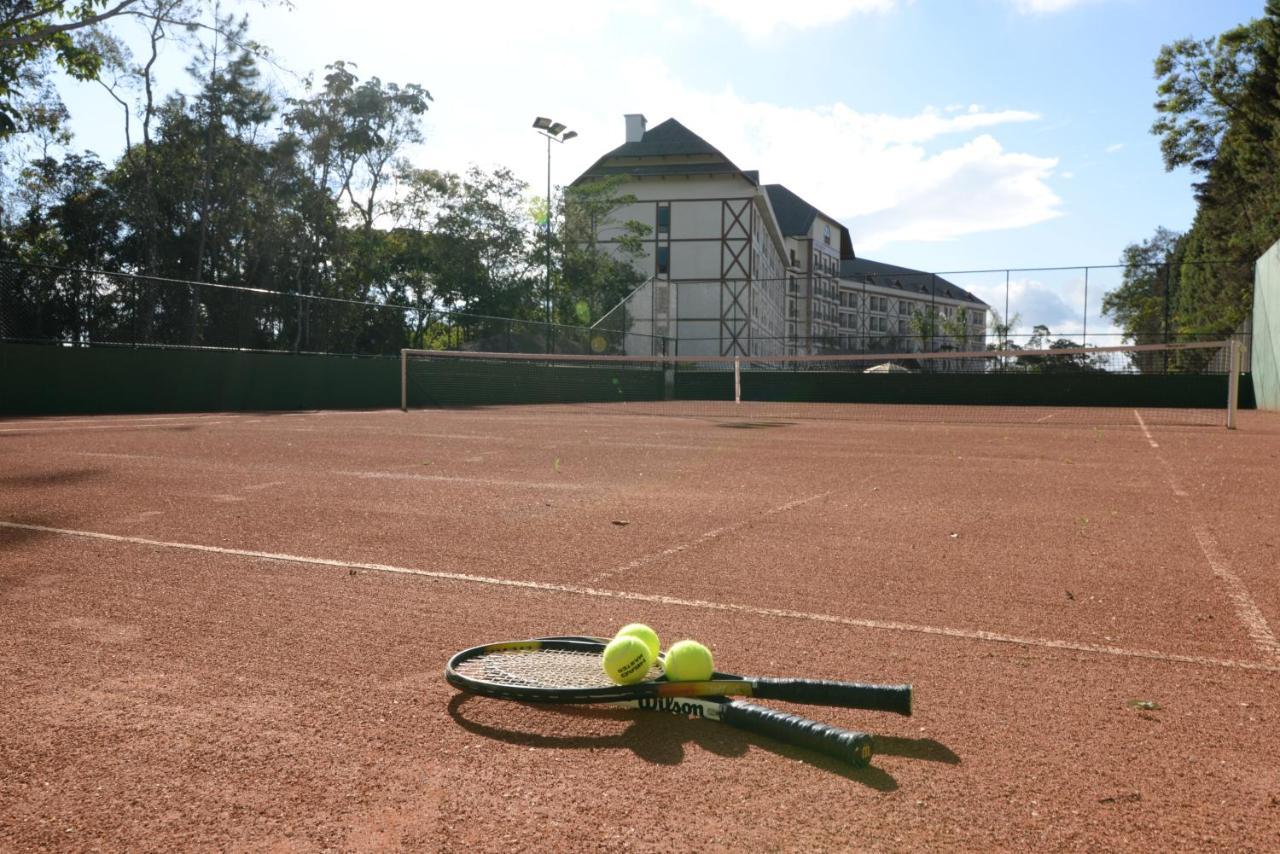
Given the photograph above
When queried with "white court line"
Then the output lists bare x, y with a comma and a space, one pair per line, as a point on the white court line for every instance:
1247, 611
668, 600
224, 466
481, 481
575, 590
1047, 417
707, 537
107, 427
113, 419
1145, 431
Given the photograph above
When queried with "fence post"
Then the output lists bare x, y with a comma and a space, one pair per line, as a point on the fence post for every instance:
1233, 381
404, 381
1084, 334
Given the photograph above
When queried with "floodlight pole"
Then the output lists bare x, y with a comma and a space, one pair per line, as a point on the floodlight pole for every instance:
556, 131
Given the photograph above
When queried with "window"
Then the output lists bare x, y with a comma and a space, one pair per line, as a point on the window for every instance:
902, 327
664, 260
793, 256
664, 219
826, 234
793, 278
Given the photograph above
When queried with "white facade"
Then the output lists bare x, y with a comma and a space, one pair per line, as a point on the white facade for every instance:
876, 317
728, 274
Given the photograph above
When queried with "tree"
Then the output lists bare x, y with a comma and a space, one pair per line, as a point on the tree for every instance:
1219, 115
354, 133
594, 280
1143, 304
33, 32
926, 325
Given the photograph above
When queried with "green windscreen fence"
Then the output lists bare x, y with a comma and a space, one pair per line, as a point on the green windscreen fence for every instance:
1175, 384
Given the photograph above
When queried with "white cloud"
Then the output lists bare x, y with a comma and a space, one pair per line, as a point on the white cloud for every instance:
761, 18
1053, 298
1112, 149
931, 175
924, 174
1047, 7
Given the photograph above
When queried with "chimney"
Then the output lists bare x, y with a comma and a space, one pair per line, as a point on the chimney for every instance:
635, 127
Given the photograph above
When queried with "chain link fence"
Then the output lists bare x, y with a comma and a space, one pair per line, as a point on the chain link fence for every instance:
77, 307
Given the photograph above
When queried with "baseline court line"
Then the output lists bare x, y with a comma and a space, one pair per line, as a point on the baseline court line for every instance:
480, 481
108, 427
113, 419
704, 538
575, 590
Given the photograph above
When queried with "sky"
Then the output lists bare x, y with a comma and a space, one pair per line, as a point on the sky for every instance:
948, 135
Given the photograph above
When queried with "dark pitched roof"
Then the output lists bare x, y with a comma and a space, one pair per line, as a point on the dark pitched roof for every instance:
663, 140
905, 279
668, 139
795, 216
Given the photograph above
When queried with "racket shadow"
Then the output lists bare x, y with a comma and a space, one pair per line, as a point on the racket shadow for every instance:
658, 739
927, 749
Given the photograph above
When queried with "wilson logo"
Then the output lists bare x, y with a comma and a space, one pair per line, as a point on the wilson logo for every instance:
672, 706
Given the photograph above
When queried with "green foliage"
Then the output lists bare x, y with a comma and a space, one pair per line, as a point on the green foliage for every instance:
311, 196
1143, 304
35, 32
595, 279
1218, 114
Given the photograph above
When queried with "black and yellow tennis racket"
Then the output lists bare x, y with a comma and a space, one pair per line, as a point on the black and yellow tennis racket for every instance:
567, 670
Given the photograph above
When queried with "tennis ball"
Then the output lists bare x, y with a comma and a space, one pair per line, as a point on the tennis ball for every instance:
688, 661
646, 634
626, 659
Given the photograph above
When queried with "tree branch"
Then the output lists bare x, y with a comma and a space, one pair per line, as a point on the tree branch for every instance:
54, 29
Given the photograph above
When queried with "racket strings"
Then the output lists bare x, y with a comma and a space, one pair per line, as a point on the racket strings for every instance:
542, 668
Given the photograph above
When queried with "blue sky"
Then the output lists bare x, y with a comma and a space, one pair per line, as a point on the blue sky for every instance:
947, 134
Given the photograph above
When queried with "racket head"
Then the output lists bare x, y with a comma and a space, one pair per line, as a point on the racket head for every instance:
549, 670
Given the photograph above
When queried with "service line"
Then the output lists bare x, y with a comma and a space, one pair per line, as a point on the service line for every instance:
576, 590
714, 533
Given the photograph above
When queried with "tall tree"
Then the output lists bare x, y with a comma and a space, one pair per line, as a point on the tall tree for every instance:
1219, 114
35, 32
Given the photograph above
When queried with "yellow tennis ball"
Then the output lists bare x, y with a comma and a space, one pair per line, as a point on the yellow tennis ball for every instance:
646, 634
626, 659
688, 661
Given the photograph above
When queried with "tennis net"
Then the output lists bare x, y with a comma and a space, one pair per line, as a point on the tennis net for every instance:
1191, 383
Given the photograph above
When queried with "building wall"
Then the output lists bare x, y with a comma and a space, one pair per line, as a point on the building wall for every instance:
878, 317
716, 263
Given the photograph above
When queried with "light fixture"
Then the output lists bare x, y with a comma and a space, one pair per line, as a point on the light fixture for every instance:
542, 123
555, 129
570, 135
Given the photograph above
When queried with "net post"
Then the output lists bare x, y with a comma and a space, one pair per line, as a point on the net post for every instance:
1233, 381
404, 380
737, 380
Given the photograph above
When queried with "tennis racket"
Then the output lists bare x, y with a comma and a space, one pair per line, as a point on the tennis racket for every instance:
567, 670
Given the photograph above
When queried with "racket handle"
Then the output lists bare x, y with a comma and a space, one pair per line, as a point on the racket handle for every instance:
847, 745
850, 695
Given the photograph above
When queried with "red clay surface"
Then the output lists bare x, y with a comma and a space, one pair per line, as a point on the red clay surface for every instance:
1031, 581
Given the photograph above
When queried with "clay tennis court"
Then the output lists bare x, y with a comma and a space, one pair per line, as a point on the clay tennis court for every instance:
228, 631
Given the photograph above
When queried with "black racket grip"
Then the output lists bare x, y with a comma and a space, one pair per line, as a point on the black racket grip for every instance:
849, 695
847, 745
